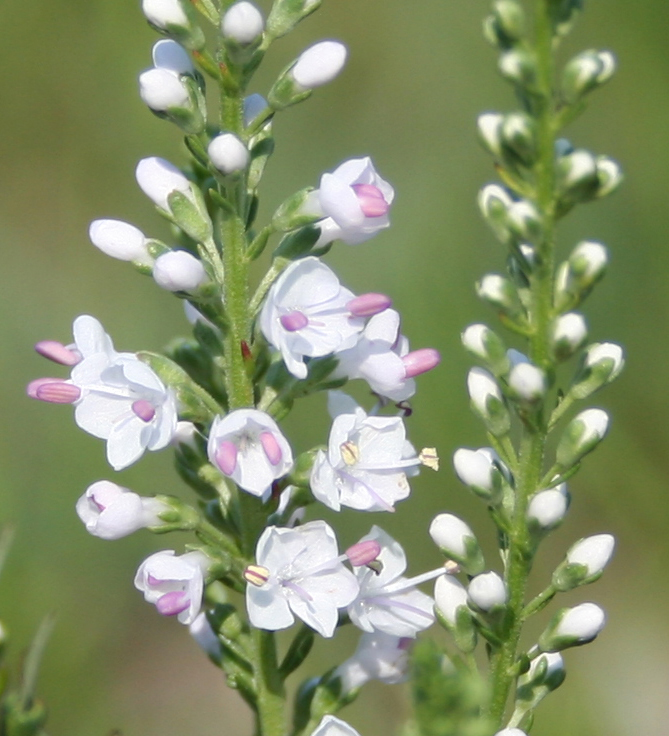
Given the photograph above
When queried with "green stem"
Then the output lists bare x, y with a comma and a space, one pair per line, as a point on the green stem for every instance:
533, 442
269, 685
539, 602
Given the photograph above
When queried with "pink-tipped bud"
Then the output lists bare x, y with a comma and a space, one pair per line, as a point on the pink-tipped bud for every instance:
372, 201
362, 553
256, 575
226, 457
53, 390
294, 321
172, 604
367, 305
57, 352
271, 447
143, 409
421, 361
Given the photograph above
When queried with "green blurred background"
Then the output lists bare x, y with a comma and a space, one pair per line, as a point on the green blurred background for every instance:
73, 128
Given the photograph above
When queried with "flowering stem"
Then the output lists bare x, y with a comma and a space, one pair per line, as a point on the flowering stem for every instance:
269, 685
533, 442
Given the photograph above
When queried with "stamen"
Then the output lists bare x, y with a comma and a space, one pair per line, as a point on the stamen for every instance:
367, 305
226, 457
363, 553
371, 200
350, 452
301, 592
55, 391
143, 409
172, 604
271, 447
428, 457
256, 575
57, 352
387, 603
420, 361
402, 585
294, 321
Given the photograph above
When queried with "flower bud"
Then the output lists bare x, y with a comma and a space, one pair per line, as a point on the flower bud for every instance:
546, 671
178, 270
319, 64
609, 176
228, 154
581, 436
494, 201
487, 591
482, 471
487, 401
524, 220
500, 293
253, 105
527, 382
482, 342
572, 627
173, 18
519, 67
602, 364
242, 23
453, 613
576, 175
168, 54
457, 542
587, 71
569, 333
519, 136
510, 18
585, 562
547, 509
489, 126
576, 276
120, 240
161, 90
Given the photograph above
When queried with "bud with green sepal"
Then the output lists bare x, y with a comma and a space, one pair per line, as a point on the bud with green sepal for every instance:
489, 126
484, 472
545, 674
569, 332
518, 136
453, 613
501, 294
584, 563
486, 345
175, 19
581, 436
585, 72
457, 542
290, 214
602, 364
510, 18
609, 176
242, 29
577, 179
576, 276
519, 66
526, 382
547, 509
487, 401
572, 627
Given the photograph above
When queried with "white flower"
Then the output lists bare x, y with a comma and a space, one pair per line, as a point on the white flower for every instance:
164, 13
174, 584
168, 54
247, 446
381, 357
178, 270
354, 202
333, 726
593, 552
298, 572
487, 590
110, 511
158, 178
228, 153
120, 240
319, 64
366, 464
378, 657
549, 507
161, 90
389, 602
242, 22
124, 402
306, 314
449, 595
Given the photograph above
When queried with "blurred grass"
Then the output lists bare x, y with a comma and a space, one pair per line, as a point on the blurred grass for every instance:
73, 129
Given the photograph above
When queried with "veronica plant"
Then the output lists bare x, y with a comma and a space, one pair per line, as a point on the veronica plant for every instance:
525, 399
252, 567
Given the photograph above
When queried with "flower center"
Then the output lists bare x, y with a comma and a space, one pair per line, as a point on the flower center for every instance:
294, 321
371, 200
350, 452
